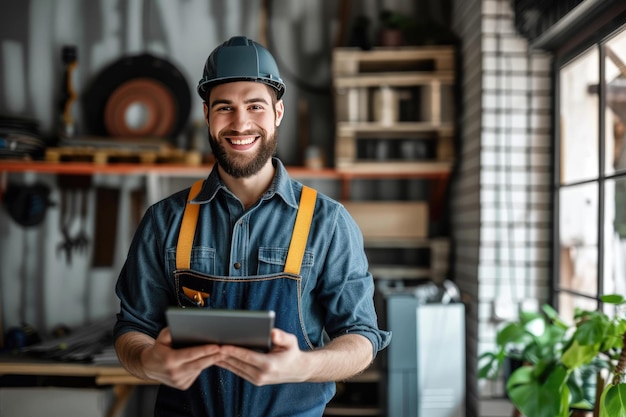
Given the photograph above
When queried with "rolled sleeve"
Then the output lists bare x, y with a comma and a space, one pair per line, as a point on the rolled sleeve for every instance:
143, 286
348, 290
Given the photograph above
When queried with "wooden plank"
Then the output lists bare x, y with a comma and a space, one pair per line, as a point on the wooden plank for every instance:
398, 243
436, 269
351, 410
103, 156
393, 79
399, 272
439, 259
346, 128
11, 366
390, 219
395, 167
350, 137
122, 380
445, 148
353, 60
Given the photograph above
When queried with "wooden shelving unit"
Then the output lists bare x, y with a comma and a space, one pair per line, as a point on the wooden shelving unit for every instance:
395, 97
395, 119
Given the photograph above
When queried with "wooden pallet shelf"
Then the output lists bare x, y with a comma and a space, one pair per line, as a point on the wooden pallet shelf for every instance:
350, 61
391, 95
436, 267
97, 155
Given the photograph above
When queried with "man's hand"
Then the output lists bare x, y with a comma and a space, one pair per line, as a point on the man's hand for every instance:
282, 364
147, 358
344, 357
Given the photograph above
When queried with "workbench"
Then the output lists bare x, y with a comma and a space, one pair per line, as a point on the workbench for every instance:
114, 375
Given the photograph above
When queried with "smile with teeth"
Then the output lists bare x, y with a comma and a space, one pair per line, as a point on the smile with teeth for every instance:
243, 141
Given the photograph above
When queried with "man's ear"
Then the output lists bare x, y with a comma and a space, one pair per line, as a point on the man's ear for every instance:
205, 108
280, 111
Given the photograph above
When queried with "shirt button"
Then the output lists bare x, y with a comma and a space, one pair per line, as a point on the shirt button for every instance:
237, 265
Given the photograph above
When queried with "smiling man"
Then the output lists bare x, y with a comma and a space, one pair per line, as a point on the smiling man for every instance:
260, 241
243, 116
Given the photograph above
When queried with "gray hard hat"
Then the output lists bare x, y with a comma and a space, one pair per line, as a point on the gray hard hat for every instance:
240, 59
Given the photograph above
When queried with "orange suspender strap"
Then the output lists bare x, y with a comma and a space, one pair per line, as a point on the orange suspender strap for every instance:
299, 236
301, 231
188, 228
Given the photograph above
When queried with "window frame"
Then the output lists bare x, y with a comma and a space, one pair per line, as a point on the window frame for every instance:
599, 32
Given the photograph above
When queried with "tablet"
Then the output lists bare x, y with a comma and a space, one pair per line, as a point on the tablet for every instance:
199, 326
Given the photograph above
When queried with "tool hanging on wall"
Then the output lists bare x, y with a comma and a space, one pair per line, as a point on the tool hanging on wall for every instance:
69, 57
81, 241
145, 82
27, 204
74, 201
105, 229
66, 216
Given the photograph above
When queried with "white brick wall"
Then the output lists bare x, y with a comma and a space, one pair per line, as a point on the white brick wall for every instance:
501, 196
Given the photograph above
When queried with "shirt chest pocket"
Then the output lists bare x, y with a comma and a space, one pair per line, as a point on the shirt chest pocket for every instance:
202, 260
272, 261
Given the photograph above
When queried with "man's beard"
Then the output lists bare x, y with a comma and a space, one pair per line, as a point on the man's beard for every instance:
240, 165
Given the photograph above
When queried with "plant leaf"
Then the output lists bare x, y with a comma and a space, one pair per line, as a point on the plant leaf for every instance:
593, 330
565, 406
522, 375
491, 368
577, 355
527, 316
582, 383
614, 403
553, 315
511, 333
603, 412
535, 399
613, 299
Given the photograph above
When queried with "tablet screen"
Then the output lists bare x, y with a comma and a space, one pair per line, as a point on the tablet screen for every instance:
199, 326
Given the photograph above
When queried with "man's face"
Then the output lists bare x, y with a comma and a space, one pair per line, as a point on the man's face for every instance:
242, 126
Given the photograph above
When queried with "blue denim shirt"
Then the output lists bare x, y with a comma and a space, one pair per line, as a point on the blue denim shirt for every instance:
337, 289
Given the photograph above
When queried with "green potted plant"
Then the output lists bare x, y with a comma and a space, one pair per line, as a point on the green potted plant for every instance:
564, 367
393, 26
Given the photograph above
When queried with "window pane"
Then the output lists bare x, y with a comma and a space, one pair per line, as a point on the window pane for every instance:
579, 118
569, 302
578, 230
615, 76
615, 237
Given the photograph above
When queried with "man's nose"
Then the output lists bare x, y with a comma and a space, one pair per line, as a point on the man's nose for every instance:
240, 121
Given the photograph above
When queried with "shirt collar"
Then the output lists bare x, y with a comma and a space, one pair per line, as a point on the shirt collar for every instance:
281, 186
